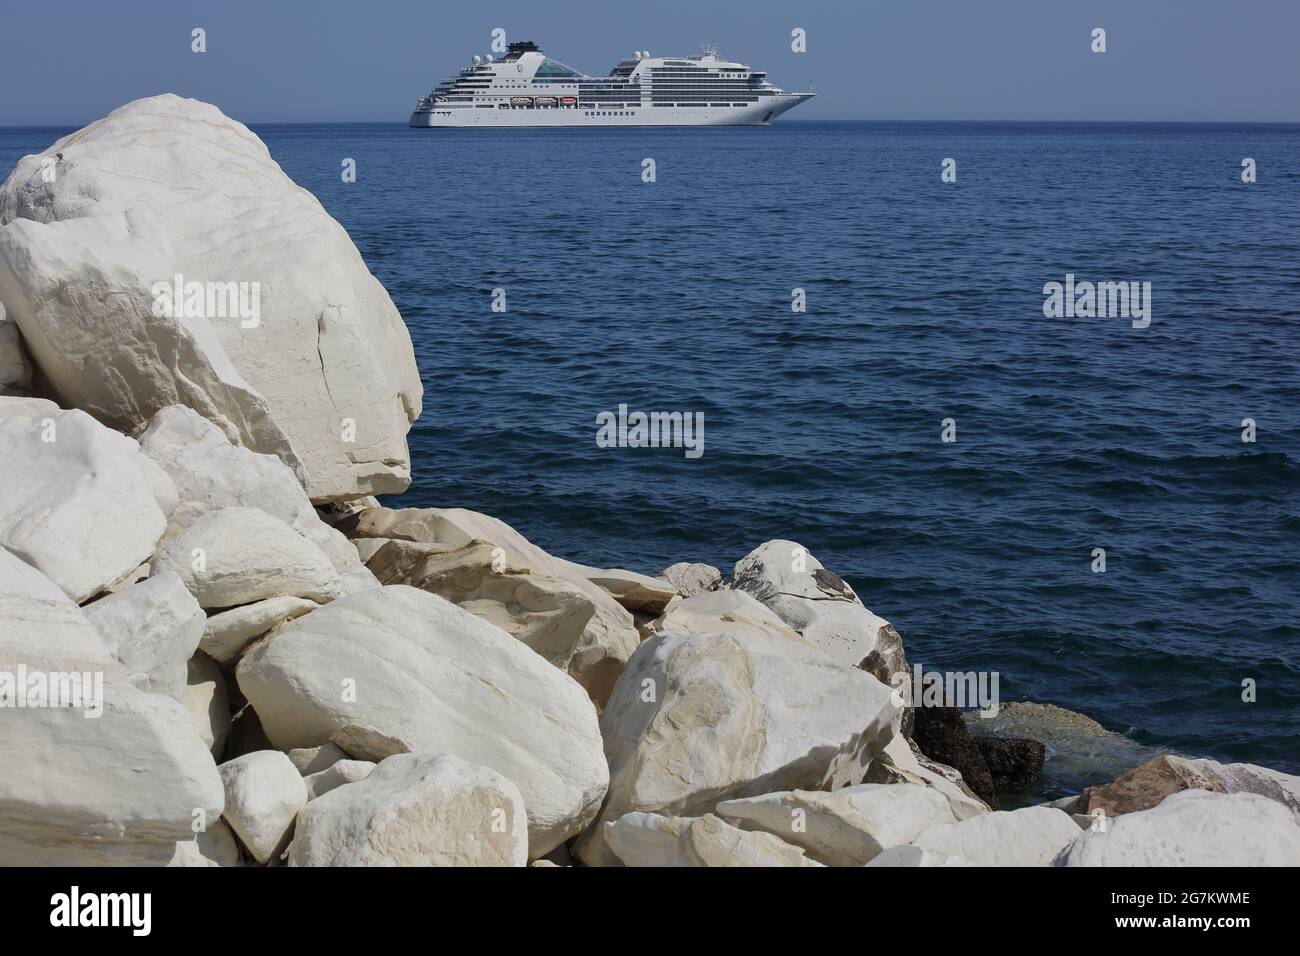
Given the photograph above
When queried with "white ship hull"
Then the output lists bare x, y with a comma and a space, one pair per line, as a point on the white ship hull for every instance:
757, 114
526, 89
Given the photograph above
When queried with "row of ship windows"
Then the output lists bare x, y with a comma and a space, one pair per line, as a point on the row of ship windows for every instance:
445, 108
616, 98
613, 101
709, 81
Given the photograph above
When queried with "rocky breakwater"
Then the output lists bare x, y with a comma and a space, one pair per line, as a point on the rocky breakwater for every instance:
216, 649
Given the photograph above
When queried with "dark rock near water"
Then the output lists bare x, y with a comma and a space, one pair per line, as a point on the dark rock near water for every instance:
1013, 762
990, 766
941, 734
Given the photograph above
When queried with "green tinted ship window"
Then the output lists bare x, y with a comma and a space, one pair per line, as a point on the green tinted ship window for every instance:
550, 67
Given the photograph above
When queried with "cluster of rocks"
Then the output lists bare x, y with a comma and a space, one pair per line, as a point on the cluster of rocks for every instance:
294, 674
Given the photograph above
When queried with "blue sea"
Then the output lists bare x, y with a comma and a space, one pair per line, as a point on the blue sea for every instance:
924, 302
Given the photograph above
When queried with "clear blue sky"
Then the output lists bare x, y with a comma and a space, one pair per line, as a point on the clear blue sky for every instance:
70, 61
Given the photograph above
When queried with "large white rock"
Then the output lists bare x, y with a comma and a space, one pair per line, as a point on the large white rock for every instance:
1031, 836
226, 634
821, 606
1193, 828
14, 406
336, 775
698, 718
214, 846
207, 700
427, 676
609, 638
118, 789
1252, 778
81, 291
731, 612
636, 592
416, 810
691, 578
357, 578
547, 614
152, 629
329, 356
76, 502
210, 473
650, 839
40, 626
15, 369
240, 555
264, 793
913, 856
845, 827
310, 760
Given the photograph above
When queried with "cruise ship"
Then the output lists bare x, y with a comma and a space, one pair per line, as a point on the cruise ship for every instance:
525, 87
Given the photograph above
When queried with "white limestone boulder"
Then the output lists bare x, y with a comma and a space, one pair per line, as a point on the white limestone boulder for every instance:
227, 633
357, 578
82, 292
913, 856
821, 606
121, 788
213, 847
336, 775
210, 473
636, 592
152, 629
264, 793
690, 578
328, 355
425, 676
698, 718
650, 839
15, 369
847, 827
310, 760
14, 406
41, 627
76, 501
1031, 836
207, 700
1193, 828
1284, 788
416, 810
545, 613
731, 612
609, 638
240, 555
367, 548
